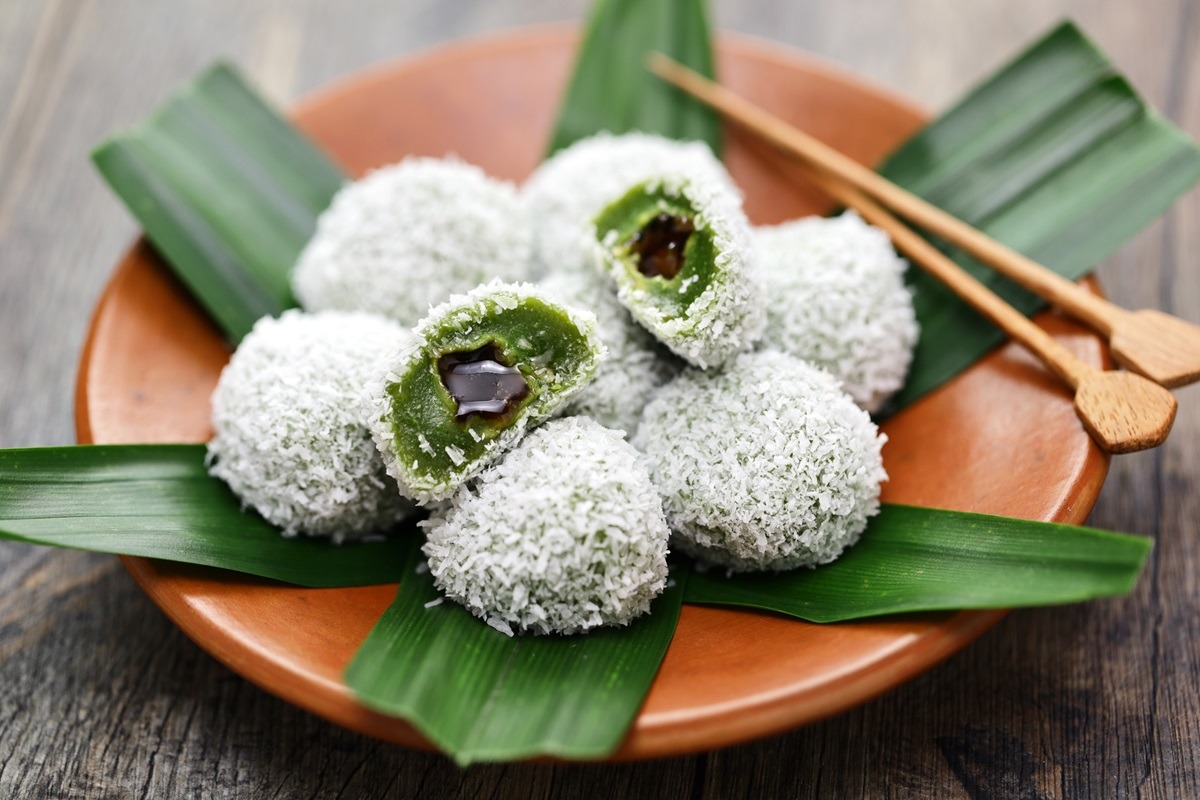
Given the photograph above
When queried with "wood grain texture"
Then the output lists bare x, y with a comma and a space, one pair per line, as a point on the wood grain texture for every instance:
103, 698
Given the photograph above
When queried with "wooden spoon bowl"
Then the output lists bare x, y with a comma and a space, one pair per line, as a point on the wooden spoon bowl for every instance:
1164, 348
1124, 412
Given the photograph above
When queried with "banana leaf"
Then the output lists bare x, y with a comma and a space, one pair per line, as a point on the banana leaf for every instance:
1057, 157
609, 89
159, 501
923, 559
481, 695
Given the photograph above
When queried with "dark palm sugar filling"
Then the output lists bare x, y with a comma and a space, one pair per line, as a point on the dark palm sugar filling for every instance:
659, 245
481, 383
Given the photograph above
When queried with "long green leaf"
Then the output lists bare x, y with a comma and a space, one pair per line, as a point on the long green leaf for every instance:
481, 695
610, 89
159, 501
227, 191
1057, 157
923, 559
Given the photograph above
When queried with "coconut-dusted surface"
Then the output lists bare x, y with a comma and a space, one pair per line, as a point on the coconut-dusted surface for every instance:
637, 363
836, 298
291, 438
713, 307
568, 189
407, 236
427, 447
565, 534
766, 464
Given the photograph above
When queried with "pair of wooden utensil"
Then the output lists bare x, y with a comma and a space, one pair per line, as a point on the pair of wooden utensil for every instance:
1122, 411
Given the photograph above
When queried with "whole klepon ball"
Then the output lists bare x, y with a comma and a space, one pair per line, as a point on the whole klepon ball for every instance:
566, 192
636, 365
407, 236
680, 252
836, 298
564, 535
291, 437
765, 465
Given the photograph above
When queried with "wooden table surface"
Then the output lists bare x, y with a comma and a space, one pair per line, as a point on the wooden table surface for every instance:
101, 697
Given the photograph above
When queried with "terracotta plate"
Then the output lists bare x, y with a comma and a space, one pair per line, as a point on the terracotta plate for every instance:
1003, 438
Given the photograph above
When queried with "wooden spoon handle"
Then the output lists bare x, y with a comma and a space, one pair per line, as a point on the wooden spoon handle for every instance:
1094, 311
1121, 411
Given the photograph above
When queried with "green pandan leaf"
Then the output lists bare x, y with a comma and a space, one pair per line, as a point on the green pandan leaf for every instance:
610, 89
158, 501
481, 695
226, 190
925, 559
1057, 157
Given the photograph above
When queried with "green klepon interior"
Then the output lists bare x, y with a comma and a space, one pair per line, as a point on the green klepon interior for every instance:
678, 252
654, 236
481, 369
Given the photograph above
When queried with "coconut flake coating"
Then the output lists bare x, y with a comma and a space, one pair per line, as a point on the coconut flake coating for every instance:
836, 298
291, 438
714, 307
766, 464
566, 192
564, 535
427, 449
636, 365
407, 236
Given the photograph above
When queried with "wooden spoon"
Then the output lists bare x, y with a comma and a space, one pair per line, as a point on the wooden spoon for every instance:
1164, 348
1122, 412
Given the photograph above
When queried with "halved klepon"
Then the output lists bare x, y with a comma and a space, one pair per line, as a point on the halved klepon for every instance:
564, 534
766, 464
679, 249
566, 192
291, 437
479, 370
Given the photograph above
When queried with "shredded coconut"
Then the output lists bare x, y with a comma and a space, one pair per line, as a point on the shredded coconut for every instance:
409, 235
728, 316
764, 465
499, 625
636, 365
291, 438
836, 298
565, 534
566, 192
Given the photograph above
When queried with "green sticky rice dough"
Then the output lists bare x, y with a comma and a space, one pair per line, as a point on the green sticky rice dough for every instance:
429, 447
712, 307
623, 219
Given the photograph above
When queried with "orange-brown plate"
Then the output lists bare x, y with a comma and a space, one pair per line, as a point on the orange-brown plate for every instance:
1002, 438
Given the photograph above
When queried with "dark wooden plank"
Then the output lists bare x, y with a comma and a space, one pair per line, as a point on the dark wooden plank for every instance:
103, 698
